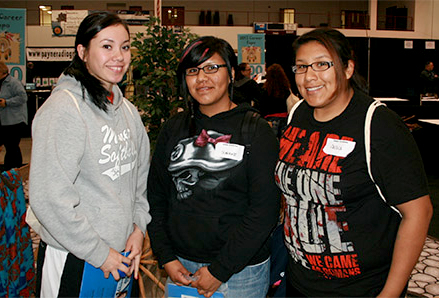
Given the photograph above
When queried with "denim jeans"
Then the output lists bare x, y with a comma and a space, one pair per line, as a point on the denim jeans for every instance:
251, 282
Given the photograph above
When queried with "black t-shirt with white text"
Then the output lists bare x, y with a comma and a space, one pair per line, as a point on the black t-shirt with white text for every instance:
339, 232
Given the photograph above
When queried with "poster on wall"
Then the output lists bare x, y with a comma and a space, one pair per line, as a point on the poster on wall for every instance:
12, 41
251, 50
66, 22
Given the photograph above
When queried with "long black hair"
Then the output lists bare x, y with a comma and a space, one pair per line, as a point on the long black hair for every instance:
341, 51
89, 27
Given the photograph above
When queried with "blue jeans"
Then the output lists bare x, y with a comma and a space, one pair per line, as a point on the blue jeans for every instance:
250, 282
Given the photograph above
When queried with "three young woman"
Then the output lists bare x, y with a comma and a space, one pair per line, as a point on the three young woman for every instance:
345, 236
90, 160
213, 198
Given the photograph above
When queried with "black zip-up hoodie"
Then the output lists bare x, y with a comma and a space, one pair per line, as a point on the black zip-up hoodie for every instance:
211, 202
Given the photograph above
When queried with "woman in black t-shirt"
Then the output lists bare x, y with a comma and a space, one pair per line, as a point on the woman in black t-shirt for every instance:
343, 237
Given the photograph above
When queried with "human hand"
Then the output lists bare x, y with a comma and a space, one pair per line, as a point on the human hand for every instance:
134, 246
205, 282
2, 102
177, 272
115, 261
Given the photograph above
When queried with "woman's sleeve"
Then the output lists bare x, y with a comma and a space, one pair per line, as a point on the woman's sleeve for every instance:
18, 94
397, 165
263, 210
159, 184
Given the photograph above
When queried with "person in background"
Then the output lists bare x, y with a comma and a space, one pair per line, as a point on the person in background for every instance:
273, 104
276, 90
213, 200
13, 117
429, 80
244, 88
89, 165
346, 237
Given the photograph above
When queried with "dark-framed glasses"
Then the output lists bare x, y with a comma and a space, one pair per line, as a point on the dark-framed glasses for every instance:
316, 66
210, 68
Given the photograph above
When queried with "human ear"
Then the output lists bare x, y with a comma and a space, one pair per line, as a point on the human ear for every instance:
81, 52
349, 71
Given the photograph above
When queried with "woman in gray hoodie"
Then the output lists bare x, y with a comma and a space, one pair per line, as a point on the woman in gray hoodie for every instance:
90, 160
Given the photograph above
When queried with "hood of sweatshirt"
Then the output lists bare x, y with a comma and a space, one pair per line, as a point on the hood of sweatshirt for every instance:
232, 113
71, 84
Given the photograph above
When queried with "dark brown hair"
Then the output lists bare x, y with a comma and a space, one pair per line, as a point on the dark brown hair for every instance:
341, 52
277, 83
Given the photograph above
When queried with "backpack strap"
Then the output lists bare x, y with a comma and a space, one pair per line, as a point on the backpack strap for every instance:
248, 128
125, 101
74, 99
293, 109
367, 146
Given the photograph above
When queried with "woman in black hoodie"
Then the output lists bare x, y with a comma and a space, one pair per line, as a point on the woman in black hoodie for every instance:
213, 197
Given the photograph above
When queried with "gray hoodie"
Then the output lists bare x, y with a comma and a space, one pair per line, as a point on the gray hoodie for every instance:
88, 172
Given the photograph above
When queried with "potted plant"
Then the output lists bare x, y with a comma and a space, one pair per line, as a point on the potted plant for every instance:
154, 71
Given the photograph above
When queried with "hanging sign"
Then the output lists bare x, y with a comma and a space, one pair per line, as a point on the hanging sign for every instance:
251, 50
66, 22
50, 54
12, 41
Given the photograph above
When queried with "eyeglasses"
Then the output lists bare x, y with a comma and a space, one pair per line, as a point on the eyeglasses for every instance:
210, 68
316, 66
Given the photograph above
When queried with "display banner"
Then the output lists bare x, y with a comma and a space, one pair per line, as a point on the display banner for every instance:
66, 22
50, 54
251, 50
12, 41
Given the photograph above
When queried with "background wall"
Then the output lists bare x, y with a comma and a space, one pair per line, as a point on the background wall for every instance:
382, 59
308, 13
245, 12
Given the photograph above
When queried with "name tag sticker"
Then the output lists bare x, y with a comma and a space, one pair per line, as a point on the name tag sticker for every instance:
230, 151
340, 148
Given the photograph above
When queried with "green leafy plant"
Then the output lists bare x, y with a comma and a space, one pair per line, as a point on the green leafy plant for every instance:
155, 65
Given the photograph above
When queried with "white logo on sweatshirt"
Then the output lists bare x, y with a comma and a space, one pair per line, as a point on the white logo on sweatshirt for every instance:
118, 151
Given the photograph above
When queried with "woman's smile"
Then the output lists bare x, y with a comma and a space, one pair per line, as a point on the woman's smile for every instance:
311, 89
320, 88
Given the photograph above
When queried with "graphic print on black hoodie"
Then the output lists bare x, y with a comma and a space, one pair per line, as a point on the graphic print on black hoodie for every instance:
203, 160
314, 231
